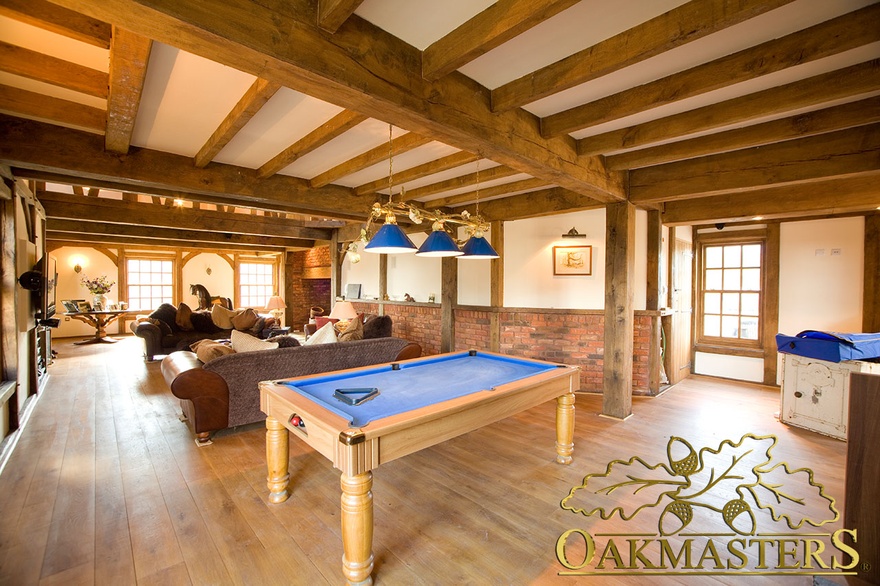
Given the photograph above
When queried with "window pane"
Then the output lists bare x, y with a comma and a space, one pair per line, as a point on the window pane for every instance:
731, 279
713, 257
750, 304
730, 303
712, 303
713, 280
751, 255
751, 279
749, 329
732, 256
712, 325
730, 326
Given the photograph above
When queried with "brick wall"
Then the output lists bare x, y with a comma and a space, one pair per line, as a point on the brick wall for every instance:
418, 323
302, 294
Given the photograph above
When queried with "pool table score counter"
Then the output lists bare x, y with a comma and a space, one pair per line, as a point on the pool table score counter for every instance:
420, 403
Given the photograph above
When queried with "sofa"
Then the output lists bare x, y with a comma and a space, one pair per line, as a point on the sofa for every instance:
224, 392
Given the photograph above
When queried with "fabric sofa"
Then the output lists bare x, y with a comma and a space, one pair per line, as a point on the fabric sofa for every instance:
224, 392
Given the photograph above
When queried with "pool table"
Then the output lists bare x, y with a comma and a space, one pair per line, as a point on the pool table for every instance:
420, 402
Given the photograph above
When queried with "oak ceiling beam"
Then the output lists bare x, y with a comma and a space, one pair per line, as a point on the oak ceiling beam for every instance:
494, 191
835, 85
250, 103
52, 70
544, 202
129, 54
336, 126
62, 21
31, 104
58, 239
832, 37
490, 28
419, 171
332, 13
114, 211
362, 68
833, 196
490, 174
854, 151
45, 147
688, 22
856, 113
399, 145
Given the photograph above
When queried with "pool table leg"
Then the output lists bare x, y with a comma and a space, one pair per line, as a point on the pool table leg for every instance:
564, 428
357, 528
277, 456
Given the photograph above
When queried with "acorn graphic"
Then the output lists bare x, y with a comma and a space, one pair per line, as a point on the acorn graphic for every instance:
733, 516
685, 466
675, 517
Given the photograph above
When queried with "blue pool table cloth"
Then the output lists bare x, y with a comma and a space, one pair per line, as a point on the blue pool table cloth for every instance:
831, 346
413, 386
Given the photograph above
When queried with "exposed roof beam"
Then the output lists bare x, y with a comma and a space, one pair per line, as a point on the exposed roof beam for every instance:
853, 151
496, 190
834, 196
58, 239
430, 168
816, 122
52, 70
44, 147
544, 202
336, 126
332, 13
679, 26
399, 145
383, 82
32, 104
129, 53
490, 28
825, 39
62, 21
250, 103
490, 174
840, 84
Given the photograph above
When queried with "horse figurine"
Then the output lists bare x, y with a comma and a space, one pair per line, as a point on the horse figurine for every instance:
206, 300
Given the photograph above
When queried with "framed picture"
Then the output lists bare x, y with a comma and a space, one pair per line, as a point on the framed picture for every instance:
98, 306
83, 306
112, 307
572, 260
69, 306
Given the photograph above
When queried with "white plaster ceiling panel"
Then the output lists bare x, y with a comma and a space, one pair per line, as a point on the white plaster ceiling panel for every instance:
367, 135
49, 43
48, 89
451, 173
423, 154
420, 22
185, 99
482, 185
572, 30
287, 117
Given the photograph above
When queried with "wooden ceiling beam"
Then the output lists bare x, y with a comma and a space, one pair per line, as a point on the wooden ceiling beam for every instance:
833, 196
129, 54
362, 68
44, 147
856, 113
58, 239
31, 104
854, 151
52, 70
62, 21
399, 145
250, 103
691, 21
494, 191
332, 13
544, 202
490, 28
419, 171
336, 126
490, 174
832, 37
810, 92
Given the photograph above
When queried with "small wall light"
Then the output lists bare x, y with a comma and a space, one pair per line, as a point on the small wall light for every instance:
573, 233
77, 268
77, 263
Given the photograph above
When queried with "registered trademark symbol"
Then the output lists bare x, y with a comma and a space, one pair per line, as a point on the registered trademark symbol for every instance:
866, 567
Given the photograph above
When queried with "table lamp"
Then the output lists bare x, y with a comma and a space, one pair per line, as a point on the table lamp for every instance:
276, 306
343, 311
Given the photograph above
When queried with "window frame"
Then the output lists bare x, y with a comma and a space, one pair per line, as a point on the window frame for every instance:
273, 262
151, 257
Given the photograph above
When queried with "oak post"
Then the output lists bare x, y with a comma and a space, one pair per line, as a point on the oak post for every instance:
448, 301
871, 297
357, 528
620, 219
277, 454
652, 301
496, 285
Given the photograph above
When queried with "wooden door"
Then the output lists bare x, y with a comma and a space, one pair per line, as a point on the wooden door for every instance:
678, 362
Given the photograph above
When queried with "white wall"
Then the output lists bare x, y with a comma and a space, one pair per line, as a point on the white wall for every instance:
219, 283
93, 264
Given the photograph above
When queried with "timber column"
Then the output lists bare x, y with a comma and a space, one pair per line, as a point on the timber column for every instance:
620, 223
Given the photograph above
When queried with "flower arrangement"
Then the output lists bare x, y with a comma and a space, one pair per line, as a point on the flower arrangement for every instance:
98, 285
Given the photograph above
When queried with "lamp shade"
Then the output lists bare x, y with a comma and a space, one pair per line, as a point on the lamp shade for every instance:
343, 310
477, 248
275, 302
390, 239
439, 243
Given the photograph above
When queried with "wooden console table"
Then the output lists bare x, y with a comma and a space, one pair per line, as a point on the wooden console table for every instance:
98, 320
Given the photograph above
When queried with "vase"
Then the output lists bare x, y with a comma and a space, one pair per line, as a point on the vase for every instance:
99, 302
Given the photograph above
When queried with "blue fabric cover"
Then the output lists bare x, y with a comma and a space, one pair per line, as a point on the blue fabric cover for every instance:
830, 346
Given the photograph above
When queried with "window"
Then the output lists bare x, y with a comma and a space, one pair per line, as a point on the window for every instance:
256, 283
731, 292
150, 283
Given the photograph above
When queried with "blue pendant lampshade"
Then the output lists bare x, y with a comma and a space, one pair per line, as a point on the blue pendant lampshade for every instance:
390, 239
478, 248
439, 243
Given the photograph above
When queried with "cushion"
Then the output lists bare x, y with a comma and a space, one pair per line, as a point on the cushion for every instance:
207, 350
321, 321
168, 314
284, 341
325, 335
222, 317
256, 330
163, 327
242, 342
202, 322
245, 320
354, 331
378, 327
182, 319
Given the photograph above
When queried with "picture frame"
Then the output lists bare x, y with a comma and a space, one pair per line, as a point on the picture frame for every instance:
69, 306
112, 307
83, 306
98, 306
573, 260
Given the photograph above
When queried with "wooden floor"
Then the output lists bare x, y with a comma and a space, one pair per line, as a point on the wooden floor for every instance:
106, 486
